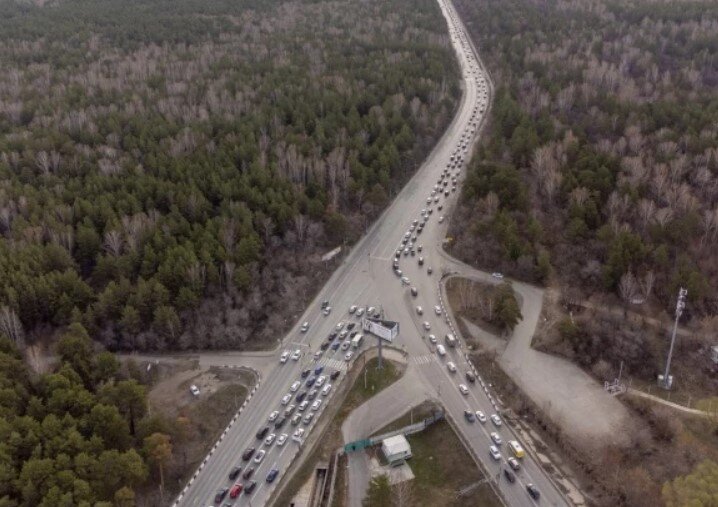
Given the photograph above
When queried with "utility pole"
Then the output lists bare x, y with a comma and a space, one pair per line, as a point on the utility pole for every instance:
666, 380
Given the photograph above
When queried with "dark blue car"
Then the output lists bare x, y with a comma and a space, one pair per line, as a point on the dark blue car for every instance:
273, 473
318, 370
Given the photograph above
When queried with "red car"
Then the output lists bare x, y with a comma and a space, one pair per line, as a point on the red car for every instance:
235, 491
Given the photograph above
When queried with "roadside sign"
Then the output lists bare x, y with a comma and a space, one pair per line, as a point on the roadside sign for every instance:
385, 329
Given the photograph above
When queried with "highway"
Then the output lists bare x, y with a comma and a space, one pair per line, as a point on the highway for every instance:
366, 278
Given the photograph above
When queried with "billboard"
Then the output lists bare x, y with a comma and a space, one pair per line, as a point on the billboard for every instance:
384, 329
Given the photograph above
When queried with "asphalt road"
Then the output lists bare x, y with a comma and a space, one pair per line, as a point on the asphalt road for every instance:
366, 278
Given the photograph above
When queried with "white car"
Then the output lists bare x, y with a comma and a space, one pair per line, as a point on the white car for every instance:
405, 280
260, 456
297, 436
286, 398
496, 419
360, 312
295, 386
296, 355
273, 416
464, 390
432, 338
419, 310
194, 390
326, 390
270, 439
284, 357
481, 416
441, 219
305, 327
451, 366
497, 275
340, 325
494, 452
437, 310
348, 356
281, 439
316, 404
327, 311
370, 311
320, 381
427, 326
352, 309
496, 438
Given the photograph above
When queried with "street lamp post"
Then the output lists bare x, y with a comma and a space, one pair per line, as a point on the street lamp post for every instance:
666, 380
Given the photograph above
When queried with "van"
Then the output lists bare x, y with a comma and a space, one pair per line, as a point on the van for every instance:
516, 449
441, 350
357, 341
450, 340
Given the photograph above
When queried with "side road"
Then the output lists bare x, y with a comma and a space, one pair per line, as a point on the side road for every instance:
569, 396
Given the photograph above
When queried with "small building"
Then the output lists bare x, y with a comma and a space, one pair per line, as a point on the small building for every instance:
396, 449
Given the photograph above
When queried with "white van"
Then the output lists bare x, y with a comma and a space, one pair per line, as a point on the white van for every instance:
441, 350
326, 389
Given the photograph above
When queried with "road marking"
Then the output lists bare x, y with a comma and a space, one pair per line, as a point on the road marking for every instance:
425, 359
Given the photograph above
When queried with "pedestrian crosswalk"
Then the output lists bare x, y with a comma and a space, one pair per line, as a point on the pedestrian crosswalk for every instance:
425, 359
336, 364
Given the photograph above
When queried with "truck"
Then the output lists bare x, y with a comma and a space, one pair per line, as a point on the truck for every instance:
450, 340
357, 341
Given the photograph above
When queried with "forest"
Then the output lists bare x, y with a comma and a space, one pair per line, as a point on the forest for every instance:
172, 171
599, 168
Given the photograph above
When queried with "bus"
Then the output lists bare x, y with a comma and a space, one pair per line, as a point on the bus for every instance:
516, 449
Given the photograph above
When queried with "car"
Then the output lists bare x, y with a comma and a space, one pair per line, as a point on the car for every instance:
194, 390
494, 452
464, 390
514, 463
295, 386
353, 333
496, 420
236, 490
273, 415
303, 406
370, 310
421, 261
310, 381
326, 390
296, 355
432, 338
320, 380
451, 366
497, 275
316, 405
281, 439
289, 410
509, 475
437, 310
262, 433
414, 292
419, 310
496, 438
301, 396
221, 493
279, 422
260, 456
248, 453
234, 473
481, 416
318, 370
352, 309
335, 346
306, 373
327, 311
312, 394
533, 491
360, 312
346, 344
405, 280
318, 354
348, 356
308, 417
469, 415
305, 327
296, 420
250, 487
284, 357
297, 436
270, 439
248, 473
398, 272
324, 346
470, 377
441, 219
427, 326
335, 374
351, 325
429, 271
286, 398
273, 473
